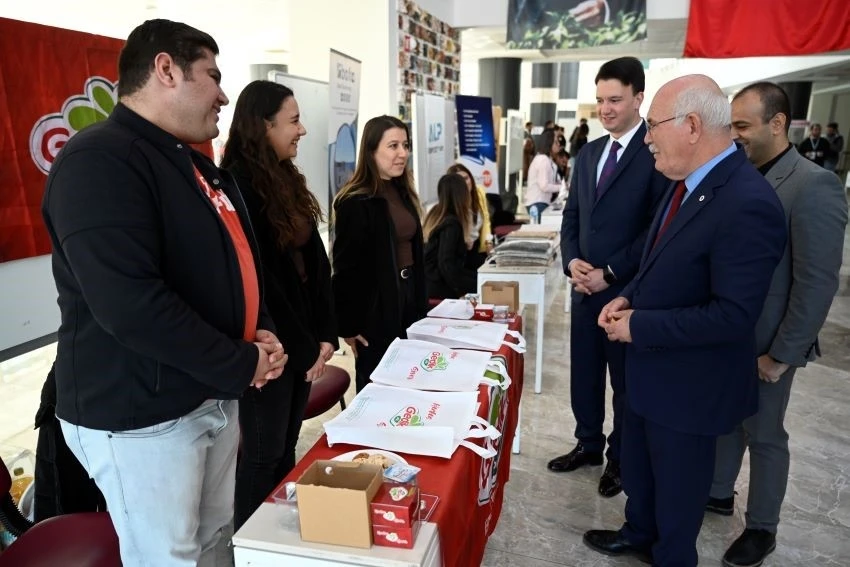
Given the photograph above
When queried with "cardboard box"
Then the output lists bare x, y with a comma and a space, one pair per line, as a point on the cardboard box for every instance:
396, 536
333, 502
395, 505
501, 293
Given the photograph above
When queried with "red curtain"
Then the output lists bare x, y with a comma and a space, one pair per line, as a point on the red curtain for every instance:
751, 28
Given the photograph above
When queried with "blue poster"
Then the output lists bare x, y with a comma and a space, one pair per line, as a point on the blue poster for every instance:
477, 140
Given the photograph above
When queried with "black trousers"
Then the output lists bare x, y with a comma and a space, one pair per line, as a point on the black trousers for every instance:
62, 485
368, 357
270, 421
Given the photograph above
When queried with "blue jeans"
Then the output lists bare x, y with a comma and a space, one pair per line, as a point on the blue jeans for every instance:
168, 487
541, 206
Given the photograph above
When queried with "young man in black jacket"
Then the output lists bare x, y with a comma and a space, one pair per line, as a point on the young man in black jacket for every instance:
163, 324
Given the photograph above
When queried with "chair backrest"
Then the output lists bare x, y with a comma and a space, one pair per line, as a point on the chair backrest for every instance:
5, 478
327, 391
86, 539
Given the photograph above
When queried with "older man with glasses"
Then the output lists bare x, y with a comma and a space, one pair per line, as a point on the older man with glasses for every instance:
688, 320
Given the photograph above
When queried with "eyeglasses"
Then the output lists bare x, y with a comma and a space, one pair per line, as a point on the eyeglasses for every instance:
652, 126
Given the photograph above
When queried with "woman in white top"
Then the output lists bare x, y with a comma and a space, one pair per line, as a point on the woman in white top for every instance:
542, 180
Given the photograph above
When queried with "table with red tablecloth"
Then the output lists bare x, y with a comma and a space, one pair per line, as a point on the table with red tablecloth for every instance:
471, 489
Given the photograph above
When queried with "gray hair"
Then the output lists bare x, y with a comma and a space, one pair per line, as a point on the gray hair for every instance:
712, 106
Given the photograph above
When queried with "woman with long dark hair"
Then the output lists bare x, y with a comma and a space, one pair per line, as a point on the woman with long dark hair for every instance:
479, 231
378, 275
542, 174
263, 141
446, 231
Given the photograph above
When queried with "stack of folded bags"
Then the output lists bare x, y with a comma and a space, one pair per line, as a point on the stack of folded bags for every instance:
530, 252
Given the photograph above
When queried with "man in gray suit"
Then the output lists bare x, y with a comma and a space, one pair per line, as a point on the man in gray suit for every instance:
797, 303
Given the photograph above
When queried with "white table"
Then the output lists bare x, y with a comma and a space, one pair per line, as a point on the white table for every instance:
532, 281
271, 538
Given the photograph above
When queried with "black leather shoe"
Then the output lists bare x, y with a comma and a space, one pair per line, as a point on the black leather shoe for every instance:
750, 549
609, 484
610, 542
576, 458
722, 506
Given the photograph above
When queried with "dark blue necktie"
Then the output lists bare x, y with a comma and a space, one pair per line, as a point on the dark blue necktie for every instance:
609, 166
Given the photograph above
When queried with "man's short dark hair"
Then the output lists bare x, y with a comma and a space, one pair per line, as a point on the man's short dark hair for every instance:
627, 70
833, 125
182, 42
773, 98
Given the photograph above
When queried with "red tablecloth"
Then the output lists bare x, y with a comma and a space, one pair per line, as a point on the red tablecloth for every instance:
470, 488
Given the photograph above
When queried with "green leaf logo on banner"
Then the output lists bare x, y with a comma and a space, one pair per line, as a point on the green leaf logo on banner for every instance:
79, 111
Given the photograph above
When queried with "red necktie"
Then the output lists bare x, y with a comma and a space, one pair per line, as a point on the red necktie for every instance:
675, 204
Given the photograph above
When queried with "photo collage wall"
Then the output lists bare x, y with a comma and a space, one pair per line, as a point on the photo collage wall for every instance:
428, 56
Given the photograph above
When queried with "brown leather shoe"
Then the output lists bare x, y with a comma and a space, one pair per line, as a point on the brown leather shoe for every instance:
609, 484
576, 458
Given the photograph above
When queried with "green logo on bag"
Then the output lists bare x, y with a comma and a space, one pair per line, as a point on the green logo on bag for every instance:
434, 361
408, 417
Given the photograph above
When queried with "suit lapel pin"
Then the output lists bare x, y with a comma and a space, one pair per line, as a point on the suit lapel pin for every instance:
701, 198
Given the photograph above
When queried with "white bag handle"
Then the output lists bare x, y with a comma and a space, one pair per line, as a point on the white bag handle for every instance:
486, 452
481, 428
498, 367
520, 346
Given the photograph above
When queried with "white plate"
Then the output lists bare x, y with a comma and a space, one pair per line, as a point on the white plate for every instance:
396, 459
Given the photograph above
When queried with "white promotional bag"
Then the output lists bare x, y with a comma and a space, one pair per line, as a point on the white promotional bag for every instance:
453, 309
423, 365
412, 421
478, 335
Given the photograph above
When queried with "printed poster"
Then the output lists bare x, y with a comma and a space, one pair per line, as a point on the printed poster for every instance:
344, 94
477, 140
576, 24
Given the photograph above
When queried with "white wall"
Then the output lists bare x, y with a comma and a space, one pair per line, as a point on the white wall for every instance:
733, 74
366, 30
479, 13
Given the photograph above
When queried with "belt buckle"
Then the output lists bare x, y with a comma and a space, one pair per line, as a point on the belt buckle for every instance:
404, 273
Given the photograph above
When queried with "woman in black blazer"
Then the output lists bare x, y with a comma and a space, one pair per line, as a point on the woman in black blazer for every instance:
296, 274
447, 240
378, 270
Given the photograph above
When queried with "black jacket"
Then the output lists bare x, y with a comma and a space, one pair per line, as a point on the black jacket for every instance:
365, 279
445, 255
149, 285
303, 313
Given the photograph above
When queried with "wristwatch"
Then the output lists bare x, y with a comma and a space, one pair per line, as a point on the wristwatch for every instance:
608, 275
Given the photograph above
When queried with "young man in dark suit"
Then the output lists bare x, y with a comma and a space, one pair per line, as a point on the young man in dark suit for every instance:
800, 295
688, 319
614, 193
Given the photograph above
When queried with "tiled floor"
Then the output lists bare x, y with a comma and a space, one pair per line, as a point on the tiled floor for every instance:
545, 513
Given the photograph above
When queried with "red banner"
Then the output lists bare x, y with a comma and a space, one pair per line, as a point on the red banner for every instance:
735, 28
53, 83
